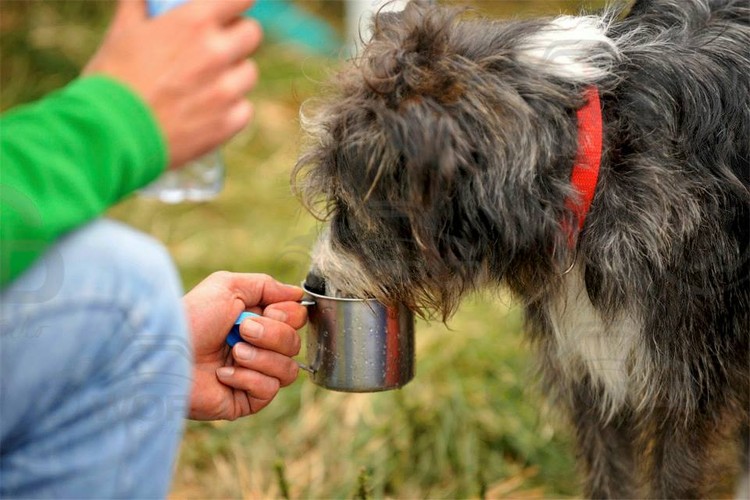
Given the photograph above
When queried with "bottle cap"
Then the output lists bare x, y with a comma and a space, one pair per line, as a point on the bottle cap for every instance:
234, 334
156, 7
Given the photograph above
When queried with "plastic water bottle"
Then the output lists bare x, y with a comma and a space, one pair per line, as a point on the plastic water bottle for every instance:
199, 180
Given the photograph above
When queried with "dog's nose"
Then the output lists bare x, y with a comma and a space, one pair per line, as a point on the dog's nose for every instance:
315, 283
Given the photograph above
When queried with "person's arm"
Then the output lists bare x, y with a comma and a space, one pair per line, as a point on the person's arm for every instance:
67, 158
183, 79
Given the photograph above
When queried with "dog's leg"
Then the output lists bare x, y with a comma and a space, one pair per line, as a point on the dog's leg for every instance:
690, 455
743, 485
605, 446
679, 459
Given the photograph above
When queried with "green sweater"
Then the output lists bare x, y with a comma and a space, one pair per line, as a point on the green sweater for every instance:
67, 158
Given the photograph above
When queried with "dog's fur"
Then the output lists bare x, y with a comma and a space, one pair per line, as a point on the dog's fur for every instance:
445, 155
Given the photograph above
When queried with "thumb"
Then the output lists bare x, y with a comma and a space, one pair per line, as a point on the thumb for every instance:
260, 289
128, 13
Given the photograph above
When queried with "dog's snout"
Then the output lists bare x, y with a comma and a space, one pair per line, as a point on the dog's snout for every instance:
315, 283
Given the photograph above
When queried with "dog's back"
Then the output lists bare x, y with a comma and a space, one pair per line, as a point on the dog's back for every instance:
653, 329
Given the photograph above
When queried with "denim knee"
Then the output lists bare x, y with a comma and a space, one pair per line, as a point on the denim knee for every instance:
104, 265
102, 256
95, 368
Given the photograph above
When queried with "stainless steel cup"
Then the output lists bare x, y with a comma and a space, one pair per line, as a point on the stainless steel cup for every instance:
357, 345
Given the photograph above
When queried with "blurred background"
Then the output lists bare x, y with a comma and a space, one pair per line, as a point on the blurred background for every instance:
471, 423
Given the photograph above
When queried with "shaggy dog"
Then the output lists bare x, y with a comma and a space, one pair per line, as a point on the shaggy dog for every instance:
596, 165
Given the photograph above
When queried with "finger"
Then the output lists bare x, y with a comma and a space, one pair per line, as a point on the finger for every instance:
293, 314
258, 404
242, 38
255, 289
269, 363
237, 118
272, 335
255, 384
234, 117
226, 11
237, 81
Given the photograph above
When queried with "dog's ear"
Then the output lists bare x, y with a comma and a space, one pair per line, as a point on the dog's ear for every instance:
429, 155
574, 48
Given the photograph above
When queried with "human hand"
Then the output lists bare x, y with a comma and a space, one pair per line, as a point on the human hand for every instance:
189, 65
232, 383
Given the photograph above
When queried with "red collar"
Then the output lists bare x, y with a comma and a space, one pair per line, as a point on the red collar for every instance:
588, 159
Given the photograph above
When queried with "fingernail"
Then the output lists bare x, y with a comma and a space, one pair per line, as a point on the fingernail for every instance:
244, 351
253, 329
225, 371
276, 314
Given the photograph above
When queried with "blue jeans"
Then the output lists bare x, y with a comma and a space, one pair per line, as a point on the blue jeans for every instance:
95, 367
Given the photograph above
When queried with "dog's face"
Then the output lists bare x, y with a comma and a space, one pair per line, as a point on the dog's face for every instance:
442, 159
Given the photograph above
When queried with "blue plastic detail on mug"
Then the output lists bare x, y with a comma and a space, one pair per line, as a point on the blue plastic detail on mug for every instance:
234, 334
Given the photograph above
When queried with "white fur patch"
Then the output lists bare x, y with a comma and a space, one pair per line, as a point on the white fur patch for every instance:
344, 277
571, 47
743, 488
610, 353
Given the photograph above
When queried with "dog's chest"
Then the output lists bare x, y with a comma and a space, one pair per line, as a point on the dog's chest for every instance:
610, 352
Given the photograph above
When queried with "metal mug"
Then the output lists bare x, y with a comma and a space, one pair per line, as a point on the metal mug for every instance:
359, 345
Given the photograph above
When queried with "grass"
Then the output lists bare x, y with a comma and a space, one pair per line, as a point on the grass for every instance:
470, 424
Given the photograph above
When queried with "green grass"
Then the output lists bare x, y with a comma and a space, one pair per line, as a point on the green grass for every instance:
471, 423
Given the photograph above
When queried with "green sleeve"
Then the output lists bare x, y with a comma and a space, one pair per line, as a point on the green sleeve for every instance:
67, 158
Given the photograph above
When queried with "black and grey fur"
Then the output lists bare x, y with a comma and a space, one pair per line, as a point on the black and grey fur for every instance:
444, 158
